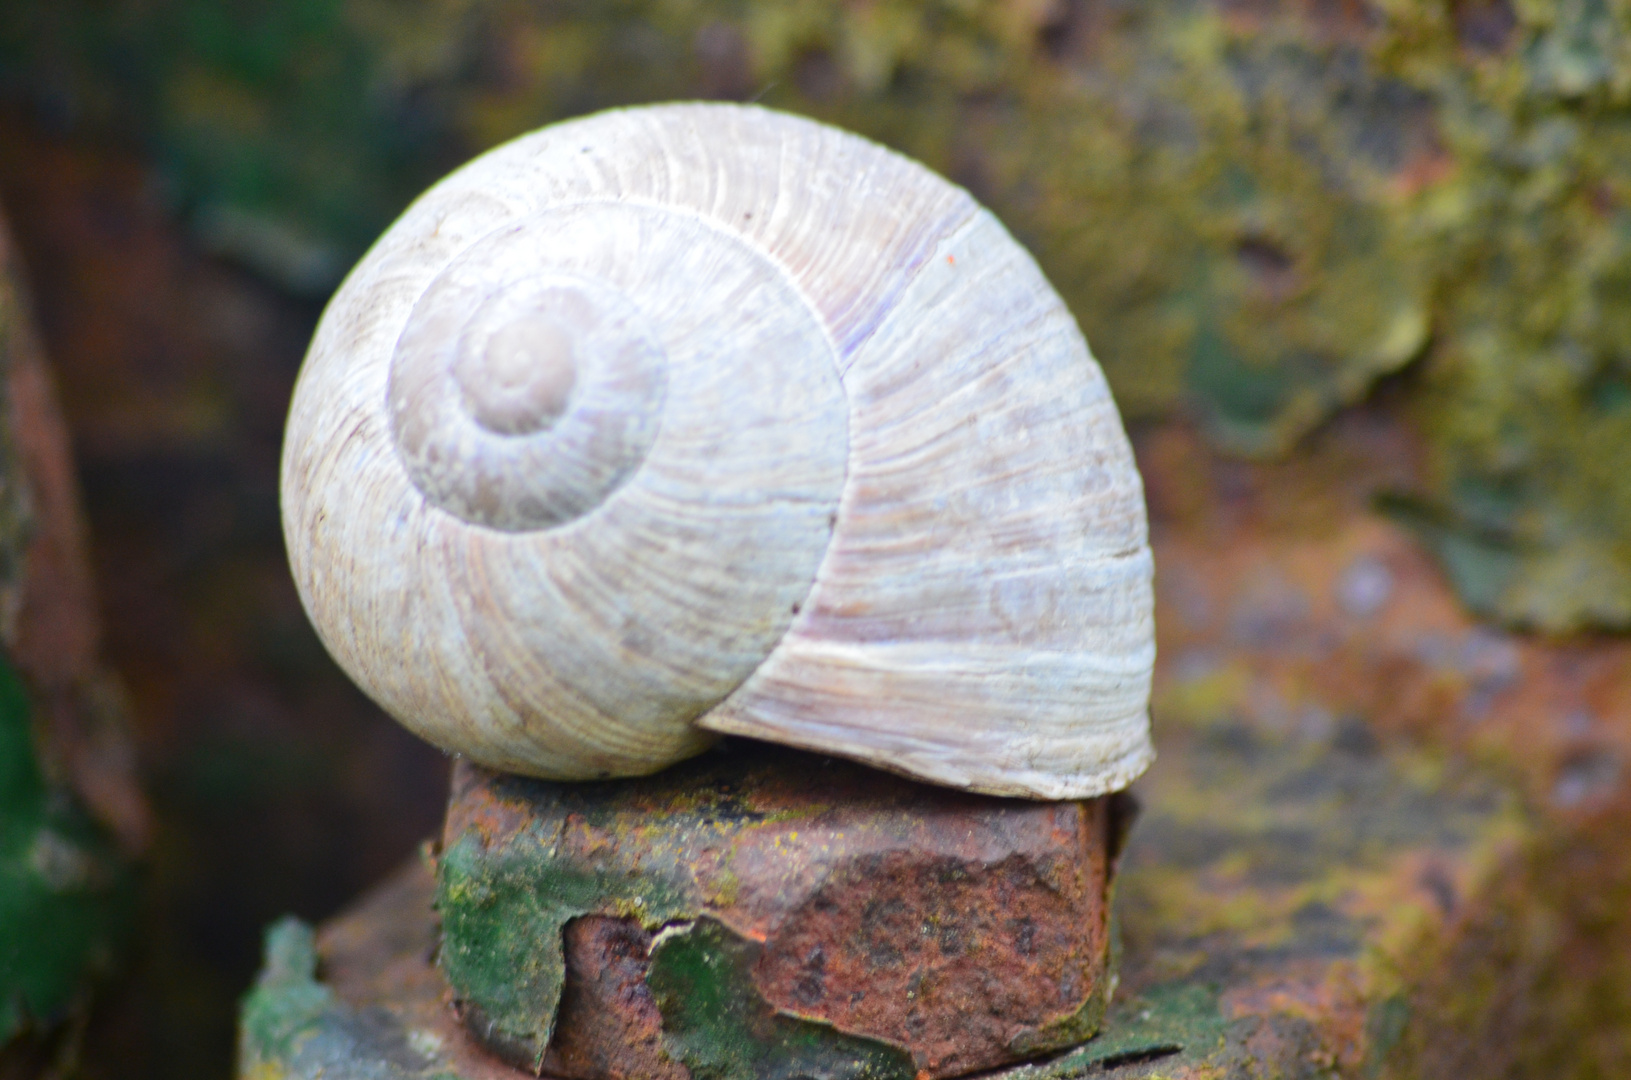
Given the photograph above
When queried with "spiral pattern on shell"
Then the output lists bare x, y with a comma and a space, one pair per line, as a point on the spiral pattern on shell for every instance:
704, 418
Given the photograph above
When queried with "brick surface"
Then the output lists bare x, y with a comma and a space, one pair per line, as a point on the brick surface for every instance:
937, 932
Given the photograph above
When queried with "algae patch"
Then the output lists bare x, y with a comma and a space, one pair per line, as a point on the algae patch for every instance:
504, 914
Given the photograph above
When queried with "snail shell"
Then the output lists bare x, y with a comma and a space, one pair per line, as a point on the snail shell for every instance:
705, 418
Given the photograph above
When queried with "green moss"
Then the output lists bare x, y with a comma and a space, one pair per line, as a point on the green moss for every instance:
718, 1025
503, 914
65, 896
65, 899
505, 902
1523, 401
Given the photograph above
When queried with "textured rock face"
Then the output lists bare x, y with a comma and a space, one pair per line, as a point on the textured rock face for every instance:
1254, 209
763, 911
1304, 905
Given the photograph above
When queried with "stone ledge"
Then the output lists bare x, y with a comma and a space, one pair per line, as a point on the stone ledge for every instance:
1293, 905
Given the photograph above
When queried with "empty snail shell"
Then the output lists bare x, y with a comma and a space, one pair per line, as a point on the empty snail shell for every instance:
705, 418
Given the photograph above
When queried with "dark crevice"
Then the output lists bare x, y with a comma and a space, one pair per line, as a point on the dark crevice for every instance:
1142, 1056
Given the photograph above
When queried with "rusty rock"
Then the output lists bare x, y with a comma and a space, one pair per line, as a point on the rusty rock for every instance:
760, 910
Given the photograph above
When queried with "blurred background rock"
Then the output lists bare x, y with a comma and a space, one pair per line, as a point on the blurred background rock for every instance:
72, 818
1413, 216
1255, 208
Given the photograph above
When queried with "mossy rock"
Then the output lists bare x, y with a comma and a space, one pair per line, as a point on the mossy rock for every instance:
66, 897
1293, 905
758, 912
67, 893
1222, 210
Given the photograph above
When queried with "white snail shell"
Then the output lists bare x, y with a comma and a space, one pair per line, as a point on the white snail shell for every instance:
706, 418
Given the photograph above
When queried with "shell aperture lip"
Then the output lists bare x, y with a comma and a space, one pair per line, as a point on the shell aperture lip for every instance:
521, 397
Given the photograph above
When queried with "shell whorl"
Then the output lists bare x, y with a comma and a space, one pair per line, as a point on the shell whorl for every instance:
521, 400
705, 418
